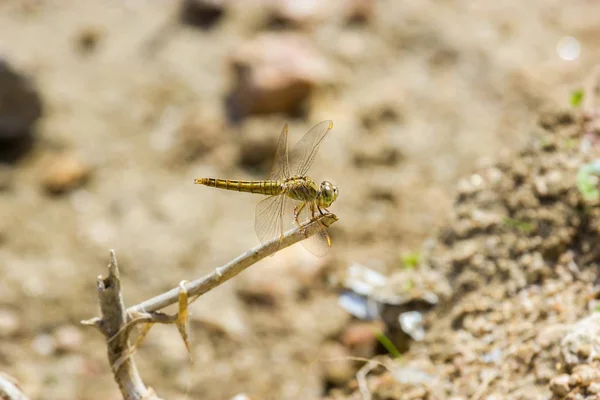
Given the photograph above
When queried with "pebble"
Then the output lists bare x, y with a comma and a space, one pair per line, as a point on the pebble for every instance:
337, 367
65, 173
275, 72
44, 344
559, 385
361, 337
9, 323
202, 13
68, 338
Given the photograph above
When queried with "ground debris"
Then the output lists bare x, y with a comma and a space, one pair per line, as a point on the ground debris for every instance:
521, 266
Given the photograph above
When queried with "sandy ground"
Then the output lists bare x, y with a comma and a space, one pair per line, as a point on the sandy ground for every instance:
421, 94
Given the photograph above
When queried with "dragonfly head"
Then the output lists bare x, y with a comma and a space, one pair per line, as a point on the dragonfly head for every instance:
329, 192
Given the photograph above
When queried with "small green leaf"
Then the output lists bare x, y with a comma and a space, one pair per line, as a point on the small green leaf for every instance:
577, 97
411, 260
387, 343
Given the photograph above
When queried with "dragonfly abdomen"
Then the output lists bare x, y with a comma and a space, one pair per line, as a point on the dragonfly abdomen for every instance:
268, 188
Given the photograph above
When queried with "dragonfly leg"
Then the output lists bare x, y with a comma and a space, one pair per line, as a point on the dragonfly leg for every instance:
297, 212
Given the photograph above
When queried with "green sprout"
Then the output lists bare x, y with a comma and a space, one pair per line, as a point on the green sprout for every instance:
576, 97
587, 180
523, 226
411, 260
387, 343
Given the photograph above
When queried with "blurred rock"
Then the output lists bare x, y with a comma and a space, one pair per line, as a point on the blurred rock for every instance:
87, 39
582, 343
20, 108
68, 338
297, 13
9, 323
361, 338
359, 11
65, 173
202, 13
337, 367
44, 344
309, 12
275, 72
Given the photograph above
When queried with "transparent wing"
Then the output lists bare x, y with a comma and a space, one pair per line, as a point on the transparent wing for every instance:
319, 243
281, 167
304, 152
268, 222
274, 216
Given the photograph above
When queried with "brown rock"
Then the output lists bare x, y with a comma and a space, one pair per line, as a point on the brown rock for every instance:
65, 173
361, 338
337, 366
559, 385
68, 338
20, 108
9, 323
275, 73
202, 13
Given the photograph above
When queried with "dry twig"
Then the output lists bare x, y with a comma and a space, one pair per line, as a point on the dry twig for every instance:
9, 390
117, 322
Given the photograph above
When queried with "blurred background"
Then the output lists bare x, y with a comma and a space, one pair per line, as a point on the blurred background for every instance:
109, 110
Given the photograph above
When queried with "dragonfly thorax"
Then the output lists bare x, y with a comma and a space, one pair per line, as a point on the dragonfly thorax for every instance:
301, 188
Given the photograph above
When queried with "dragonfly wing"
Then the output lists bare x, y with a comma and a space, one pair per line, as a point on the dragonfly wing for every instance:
274, 216
304, 152
281, 167
319, 243
268, 221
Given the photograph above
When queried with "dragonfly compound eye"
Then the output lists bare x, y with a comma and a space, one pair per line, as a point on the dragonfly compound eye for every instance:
329, 193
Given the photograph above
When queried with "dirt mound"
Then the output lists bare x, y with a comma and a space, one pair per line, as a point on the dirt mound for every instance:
521, 259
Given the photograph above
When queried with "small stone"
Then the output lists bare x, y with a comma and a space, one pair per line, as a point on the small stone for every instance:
582, 341
275, 73
44, 344
359, 11
68, 338
559, 385
202, 13
9, 323
65, 173
584, 375
337, 366
361, 338
594, 388
87, 39
298, 12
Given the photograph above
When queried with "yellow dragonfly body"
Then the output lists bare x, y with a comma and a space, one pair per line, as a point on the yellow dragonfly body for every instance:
294, 198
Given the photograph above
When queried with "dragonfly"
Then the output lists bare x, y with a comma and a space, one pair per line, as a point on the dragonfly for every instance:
294, 198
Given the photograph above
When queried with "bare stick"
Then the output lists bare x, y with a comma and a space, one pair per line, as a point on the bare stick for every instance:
234, 267
117, 339
9, 389
116, 323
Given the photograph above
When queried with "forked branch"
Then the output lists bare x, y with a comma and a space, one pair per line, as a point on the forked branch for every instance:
117, 322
